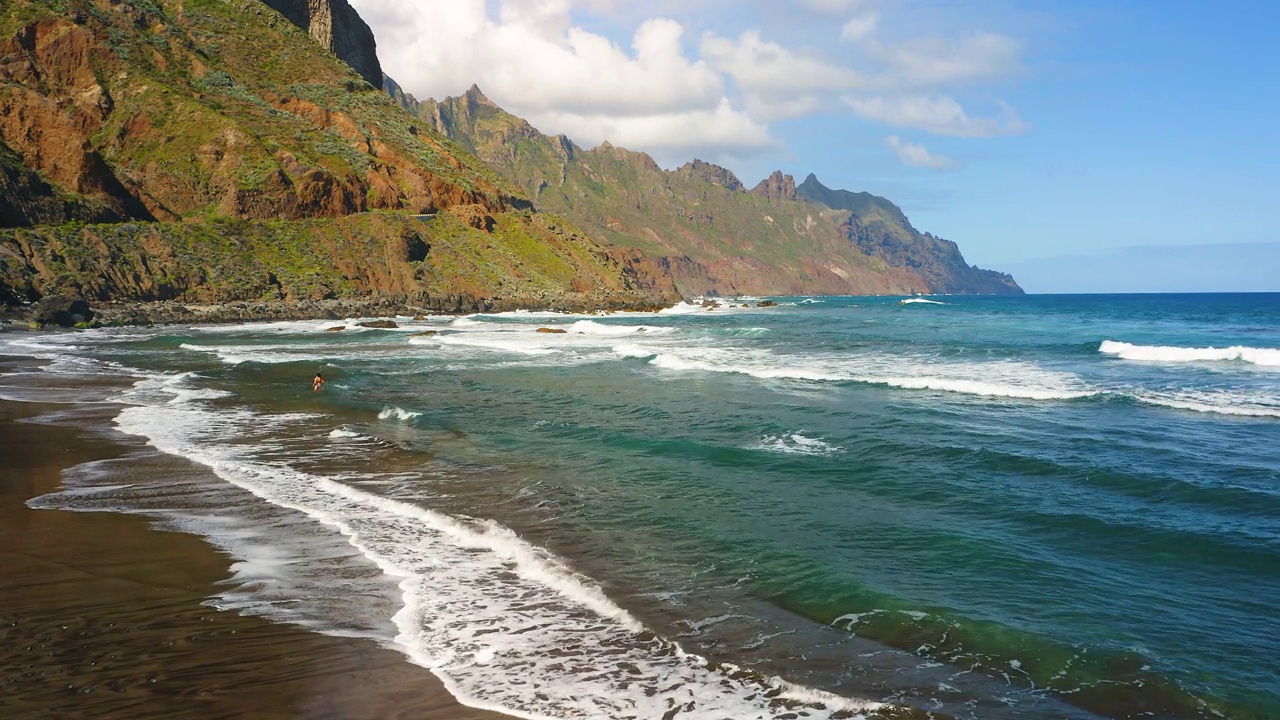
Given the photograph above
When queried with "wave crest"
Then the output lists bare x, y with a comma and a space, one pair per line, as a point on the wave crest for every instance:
1266, 357
396, 413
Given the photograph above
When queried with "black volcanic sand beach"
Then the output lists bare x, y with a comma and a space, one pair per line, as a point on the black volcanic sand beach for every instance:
101, 615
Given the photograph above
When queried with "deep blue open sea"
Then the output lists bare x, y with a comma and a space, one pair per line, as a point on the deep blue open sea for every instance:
975, 507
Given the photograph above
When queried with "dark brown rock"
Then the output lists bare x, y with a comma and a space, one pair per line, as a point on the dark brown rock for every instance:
62, 311
777, 187
339, 29
551, 330
380, 324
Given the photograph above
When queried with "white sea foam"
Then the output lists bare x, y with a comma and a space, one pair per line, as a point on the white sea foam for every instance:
508, 342
989, 389
916, 300
395, 413
591, 327
1010, 379
630, 350
585, 341
796, 444
1220, 402
505, 624
280, 327
1266, 357
345, 434
266, 354
723, 306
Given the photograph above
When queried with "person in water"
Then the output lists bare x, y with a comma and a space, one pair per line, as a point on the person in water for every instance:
317, 383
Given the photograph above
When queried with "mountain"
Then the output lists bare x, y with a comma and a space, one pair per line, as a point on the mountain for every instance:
221, 121
881, 229
172, 110
339, 29
701, 224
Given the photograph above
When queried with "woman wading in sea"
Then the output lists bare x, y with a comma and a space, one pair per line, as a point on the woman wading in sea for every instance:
317, 383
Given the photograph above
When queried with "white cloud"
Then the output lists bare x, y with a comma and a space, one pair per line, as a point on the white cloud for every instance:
775, 81
860, 27
534, 61
931, 62
647, 85
833, 7
672, 138
764, 66
917, 155
937, 114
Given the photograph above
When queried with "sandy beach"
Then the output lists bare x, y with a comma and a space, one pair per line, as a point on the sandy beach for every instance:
102, 615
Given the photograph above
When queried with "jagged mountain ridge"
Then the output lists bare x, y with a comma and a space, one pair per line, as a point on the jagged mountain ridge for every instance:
214, 121
701, 223
881, 229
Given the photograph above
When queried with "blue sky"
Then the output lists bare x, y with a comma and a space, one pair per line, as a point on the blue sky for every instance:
1055, 140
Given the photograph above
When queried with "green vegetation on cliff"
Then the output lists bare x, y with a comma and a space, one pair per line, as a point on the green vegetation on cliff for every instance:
446, 263
167, 110
699, 221
239, 159
881, 229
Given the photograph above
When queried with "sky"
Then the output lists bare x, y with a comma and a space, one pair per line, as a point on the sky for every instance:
1084, 146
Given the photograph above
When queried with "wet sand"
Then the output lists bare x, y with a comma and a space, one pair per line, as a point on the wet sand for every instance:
101, 616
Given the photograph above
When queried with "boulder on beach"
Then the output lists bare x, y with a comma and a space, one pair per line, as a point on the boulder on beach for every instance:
381, 324
62, 311
765, 303
551, 330
337, 328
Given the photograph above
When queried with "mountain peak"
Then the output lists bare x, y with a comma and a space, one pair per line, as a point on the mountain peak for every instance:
712, 173
777, 187
475, 97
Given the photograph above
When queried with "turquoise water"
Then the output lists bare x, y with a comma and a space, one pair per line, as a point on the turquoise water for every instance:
1044, 506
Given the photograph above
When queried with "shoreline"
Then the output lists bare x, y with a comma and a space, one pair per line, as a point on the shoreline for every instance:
102, 613
58, 311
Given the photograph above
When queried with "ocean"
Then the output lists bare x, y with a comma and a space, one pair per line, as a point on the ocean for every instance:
966, 507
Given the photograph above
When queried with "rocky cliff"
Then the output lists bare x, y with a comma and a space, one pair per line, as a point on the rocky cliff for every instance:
700, 223
444, 264
172, 110
881, 229
192, 124
338, 29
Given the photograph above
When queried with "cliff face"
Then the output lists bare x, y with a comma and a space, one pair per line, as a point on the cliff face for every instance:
171, 110
882, 230
444, 264
27, 198
699, 222
338, 29
239, 160
776, 187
